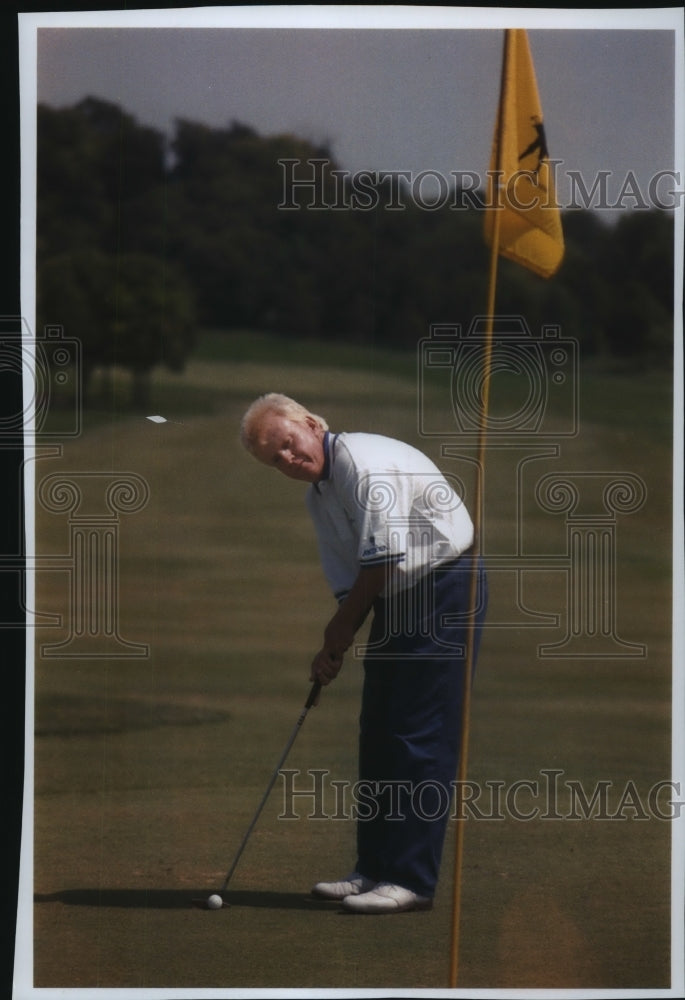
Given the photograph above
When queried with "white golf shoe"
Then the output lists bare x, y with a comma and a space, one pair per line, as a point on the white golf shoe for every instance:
387, 898
351, 885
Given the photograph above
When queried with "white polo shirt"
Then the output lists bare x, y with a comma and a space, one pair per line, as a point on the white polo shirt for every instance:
384, 502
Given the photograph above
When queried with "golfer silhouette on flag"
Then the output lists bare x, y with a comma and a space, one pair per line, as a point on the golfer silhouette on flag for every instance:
539, 143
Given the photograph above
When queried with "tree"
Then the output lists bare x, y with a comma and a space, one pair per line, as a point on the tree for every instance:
213, 211
130, 311
96, 167
639, 266
103, 272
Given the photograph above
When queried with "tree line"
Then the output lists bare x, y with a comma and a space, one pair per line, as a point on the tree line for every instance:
143, 239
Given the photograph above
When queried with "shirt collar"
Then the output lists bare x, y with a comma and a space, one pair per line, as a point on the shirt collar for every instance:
328, 447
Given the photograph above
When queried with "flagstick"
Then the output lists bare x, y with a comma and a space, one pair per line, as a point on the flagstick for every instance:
477, 504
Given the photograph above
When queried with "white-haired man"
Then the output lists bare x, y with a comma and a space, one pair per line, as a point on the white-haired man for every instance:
394, 537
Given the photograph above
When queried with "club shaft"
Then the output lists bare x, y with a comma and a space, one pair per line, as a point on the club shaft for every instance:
313, 695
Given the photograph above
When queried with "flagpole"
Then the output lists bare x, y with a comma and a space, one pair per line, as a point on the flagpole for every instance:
477, 529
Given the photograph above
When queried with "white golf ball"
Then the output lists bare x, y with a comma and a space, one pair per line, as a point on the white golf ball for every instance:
215, 902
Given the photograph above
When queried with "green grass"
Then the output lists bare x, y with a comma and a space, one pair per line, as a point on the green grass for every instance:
265, 348
148, 770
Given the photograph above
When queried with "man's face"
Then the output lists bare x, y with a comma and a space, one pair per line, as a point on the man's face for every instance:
294, 448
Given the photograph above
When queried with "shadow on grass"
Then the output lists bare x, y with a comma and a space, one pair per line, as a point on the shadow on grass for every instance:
174, 899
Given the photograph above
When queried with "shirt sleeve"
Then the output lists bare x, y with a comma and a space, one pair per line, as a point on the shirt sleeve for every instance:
405, 512
385, 504
382, 538
372, 500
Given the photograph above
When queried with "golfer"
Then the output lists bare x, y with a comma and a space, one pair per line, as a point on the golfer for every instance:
395, 538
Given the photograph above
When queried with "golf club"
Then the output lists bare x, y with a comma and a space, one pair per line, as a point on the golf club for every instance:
215, 901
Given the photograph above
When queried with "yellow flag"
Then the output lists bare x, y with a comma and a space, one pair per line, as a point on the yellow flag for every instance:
520, 179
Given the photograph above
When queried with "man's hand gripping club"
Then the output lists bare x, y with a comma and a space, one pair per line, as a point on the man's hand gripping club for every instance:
340, 632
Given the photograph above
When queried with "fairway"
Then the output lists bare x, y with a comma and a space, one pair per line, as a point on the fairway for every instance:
149, 763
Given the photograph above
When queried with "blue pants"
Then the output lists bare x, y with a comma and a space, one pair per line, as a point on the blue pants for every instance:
410, 726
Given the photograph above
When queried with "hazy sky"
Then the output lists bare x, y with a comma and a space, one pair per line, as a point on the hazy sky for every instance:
385, 98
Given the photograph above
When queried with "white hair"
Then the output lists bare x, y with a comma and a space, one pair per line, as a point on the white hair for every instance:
277, 403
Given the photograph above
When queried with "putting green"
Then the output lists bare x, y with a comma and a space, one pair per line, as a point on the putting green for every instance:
148, 769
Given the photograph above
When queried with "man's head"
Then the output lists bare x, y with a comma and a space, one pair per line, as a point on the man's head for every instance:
282, 433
